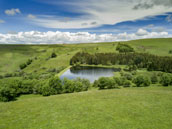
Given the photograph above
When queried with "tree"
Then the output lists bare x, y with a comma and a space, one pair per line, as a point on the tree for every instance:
46, 90
127, 83
53, 55
78, 86
102, 82
166, 79
22, 66
106, 83
9, 90
154, 78
124, 48
68, 86
141, 81
56, 85
7, 94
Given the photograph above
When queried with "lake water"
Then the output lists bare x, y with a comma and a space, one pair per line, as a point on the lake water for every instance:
90, 73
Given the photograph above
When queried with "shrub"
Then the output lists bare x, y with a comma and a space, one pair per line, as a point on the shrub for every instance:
68, 86
85, 83
106, 83
29, 61
37, 88
154, 78
141, 81
78, 86
27, 86
53, 55
124, 48
95, 84
118, 81
170, 51
9, 90
102, 82
165, 79
56, 85
127, 83
128, 76
111, 84
7, 94
46, 90
22, 66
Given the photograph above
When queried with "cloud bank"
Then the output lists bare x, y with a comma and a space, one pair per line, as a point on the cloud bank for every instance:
100, 12
36, 37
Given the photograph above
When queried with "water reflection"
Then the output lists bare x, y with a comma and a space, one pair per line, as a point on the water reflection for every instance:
90, 73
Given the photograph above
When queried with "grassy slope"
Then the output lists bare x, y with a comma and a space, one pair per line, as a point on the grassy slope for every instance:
14, 55
130, 108
143, 108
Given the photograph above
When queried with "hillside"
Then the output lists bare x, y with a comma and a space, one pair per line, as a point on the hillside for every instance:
143, 108
124, 107
14, 55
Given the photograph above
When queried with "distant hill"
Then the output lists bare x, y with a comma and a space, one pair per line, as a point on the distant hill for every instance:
12, 56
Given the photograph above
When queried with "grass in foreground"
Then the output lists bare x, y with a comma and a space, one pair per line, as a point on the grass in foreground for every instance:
130, 108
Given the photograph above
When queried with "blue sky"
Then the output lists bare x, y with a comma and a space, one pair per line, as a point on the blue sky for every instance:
92, 16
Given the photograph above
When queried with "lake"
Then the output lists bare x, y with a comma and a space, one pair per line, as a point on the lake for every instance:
90, 73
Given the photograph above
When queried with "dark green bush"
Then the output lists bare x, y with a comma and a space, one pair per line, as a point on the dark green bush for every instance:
27, 86
127, 83
78, 86
106, 83
53, 55
124, 48
29, 61
7, 94
166, 79
46, 90
128, 76
37, 88
118, 81
56, 85
85, 83
142, 81
22, 66
68, 86
9, 90
154, 78
95, 84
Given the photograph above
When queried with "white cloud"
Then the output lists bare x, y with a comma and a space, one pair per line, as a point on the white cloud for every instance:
141, 32
31, 16
103, 12
36, 37
12, 12
2, 21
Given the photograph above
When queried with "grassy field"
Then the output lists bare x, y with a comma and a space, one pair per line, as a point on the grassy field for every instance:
127, 108
14, 55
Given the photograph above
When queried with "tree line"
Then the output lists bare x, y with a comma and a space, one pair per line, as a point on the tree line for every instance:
133, 60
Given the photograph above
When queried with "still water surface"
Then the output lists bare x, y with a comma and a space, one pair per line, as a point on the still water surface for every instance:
90, 73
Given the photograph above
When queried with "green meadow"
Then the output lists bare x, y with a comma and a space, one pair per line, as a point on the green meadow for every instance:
14, 55
128, 108
123, 108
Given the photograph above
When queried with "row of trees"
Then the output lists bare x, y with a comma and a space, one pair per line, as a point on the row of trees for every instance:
133, 60
13, 88
128, 80
24, 65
